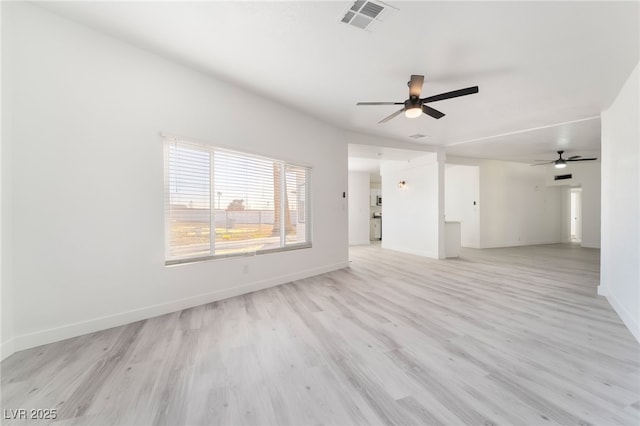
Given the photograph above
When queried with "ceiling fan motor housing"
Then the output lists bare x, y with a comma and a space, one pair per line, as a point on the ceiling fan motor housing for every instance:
413, 102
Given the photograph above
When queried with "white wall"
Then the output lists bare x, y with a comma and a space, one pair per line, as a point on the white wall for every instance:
620, 254
6, 287
87, 179
516, 207
462, 197
359, 201
587, 176
411, 216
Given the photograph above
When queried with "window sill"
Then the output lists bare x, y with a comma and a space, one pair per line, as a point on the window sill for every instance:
174, 262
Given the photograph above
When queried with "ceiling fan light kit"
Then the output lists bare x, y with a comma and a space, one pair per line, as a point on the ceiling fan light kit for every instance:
415, 106
412, 109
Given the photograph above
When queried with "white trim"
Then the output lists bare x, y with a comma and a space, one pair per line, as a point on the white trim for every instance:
360, 243
602, 291
547, 126
422, 253
520, 243
43, 337
7, 348
589, 245
629, 321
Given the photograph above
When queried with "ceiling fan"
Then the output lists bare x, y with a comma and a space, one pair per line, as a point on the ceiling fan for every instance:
415, 105
561, 163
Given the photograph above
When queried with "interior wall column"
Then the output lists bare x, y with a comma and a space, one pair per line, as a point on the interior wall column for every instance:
441, 158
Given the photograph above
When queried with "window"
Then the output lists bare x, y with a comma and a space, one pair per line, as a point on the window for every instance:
221, 203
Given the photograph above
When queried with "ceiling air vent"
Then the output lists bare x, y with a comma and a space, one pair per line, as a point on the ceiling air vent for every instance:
363, 14
562, 177
418, 136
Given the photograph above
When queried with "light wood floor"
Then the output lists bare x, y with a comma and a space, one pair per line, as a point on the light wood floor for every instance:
503, 336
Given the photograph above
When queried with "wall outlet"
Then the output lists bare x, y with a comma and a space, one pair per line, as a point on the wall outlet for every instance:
245, 269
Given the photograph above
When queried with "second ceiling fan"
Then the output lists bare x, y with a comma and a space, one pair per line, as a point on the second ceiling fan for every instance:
561, 162
415, 105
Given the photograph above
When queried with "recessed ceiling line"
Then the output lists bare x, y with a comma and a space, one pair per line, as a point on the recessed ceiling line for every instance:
524, 130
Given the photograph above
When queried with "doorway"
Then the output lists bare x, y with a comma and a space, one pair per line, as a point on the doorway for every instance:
575, 217
366, 191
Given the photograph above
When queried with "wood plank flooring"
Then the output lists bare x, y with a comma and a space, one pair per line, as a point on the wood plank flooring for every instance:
511, 336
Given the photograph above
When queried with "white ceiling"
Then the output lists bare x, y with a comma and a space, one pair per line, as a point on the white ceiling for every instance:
366, 158
384, 153
545, 69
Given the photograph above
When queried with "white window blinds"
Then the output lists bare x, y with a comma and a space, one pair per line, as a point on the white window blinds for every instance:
225, 203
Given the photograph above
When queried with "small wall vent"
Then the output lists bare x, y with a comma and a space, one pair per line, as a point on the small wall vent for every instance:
562, 177
364, 14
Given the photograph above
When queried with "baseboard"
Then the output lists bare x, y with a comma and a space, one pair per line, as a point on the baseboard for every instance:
602, 291
43, 337
519, 244
469, 245
588, 245
629, 321
360, 243
422, 253
7, 348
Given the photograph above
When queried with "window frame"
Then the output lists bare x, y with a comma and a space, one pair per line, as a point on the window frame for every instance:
167, 140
